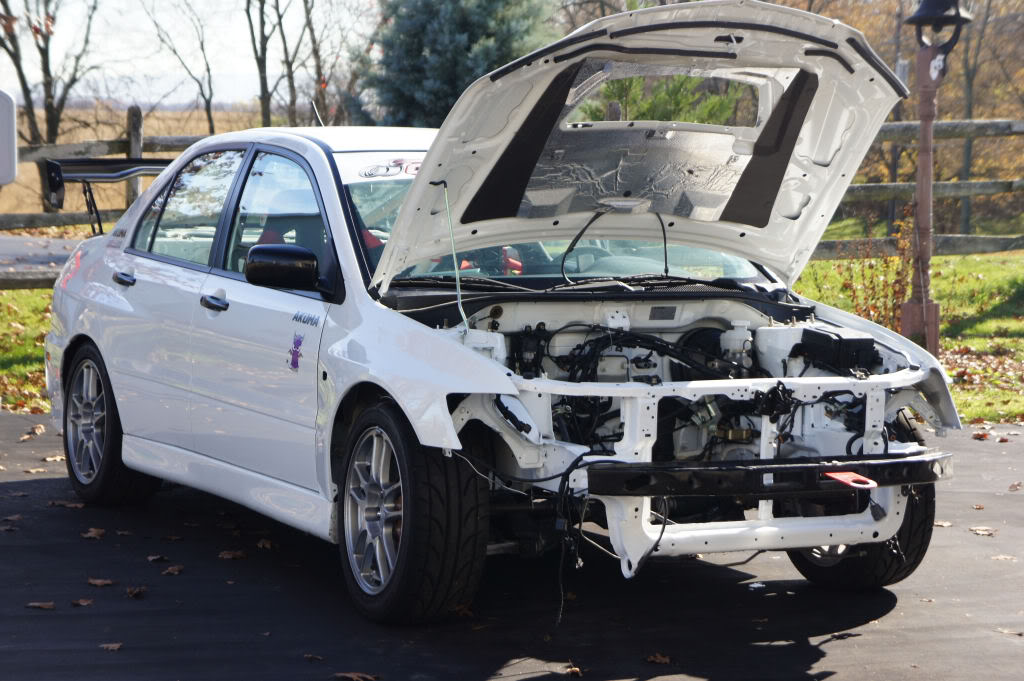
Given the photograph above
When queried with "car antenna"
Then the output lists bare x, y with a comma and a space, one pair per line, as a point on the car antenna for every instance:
316, 113
455, 260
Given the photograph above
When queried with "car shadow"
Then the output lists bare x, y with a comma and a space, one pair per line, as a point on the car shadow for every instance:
281, 611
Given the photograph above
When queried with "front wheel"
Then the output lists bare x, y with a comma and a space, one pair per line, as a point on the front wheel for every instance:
872, 566
414, 522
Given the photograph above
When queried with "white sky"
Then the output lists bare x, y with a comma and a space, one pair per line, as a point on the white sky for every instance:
132, 66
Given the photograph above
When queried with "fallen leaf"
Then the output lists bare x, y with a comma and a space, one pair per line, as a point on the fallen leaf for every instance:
231, 555
33, 471
99, 581
979, 436
573, 670
156, 558
123, 533
54, 458
41, 605
1010, 632
112, 647
172, 537
978, 507
310, 657
136, 592
8, 528
927, 600
12, 518
355, 676
658, 658
81, 603
173, 570
94, 533
264, 544
1015, 486
942, 523
983, 531
1003, 556
18, 494
38, 429
25, 437
65, 504
1003, 439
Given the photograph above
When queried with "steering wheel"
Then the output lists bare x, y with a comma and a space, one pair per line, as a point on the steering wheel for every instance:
595, 251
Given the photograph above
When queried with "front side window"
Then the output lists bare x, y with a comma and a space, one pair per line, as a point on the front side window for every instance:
182, 222
278, 206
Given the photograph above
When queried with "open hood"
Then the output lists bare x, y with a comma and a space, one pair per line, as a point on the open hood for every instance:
524, 158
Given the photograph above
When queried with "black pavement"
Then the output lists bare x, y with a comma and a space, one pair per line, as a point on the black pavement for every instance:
281, 611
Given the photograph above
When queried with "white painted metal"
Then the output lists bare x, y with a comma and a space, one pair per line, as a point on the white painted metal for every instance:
8, 139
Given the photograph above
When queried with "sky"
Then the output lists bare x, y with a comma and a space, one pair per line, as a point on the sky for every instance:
132, 66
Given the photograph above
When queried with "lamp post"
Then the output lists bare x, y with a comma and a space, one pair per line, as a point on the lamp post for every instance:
919, 316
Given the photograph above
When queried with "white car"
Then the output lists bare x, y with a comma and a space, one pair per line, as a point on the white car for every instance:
527, 330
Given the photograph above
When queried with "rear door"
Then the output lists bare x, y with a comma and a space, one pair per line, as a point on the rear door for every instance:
255, 361
146, 339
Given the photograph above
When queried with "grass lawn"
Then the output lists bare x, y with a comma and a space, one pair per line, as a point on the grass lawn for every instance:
982, 344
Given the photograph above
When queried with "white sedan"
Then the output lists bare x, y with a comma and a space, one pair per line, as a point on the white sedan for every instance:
560, 319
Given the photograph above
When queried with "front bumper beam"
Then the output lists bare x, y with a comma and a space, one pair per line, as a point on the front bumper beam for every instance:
762, 478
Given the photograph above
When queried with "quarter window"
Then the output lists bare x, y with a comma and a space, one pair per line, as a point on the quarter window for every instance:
278, 206
186, 220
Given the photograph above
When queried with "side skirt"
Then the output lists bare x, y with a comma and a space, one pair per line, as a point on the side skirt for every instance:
282, 501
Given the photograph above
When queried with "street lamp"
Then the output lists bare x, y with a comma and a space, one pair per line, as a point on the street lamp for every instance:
919, 316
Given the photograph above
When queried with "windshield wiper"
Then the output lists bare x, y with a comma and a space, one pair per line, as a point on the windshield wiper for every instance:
596, 282
466, 279
654, 279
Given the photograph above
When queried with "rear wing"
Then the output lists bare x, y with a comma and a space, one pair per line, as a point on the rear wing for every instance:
88, 170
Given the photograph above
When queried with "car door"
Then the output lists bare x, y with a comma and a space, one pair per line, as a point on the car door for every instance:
255, 359
159, 276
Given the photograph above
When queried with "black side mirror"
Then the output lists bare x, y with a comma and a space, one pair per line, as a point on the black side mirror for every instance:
282, 266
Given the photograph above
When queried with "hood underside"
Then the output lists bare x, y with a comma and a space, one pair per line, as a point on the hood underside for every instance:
532, 151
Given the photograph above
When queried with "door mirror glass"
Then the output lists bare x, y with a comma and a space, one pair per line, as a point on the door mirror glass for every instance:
282, 266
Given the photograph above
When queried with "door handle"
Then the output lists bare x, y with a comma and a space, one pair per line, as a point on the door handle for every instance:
124, 279
213, 303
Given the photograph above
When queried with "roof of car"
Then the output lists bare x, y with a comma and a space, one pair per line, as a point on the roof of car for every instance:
368, 138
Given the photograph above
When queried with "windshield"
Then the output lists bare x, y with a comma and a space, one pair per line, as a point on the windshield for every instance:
377, 183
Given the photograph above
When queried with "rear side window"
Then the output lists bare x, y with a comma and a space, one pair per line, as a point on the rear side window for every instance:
182, 222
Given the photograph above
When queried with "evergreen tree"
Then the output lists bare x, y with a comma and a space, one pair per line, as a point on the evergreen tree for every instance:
431, 50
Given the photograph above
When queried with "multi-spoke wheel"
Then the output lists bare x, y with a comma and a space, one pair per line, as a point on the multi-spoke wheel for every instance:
92, 436
413, 523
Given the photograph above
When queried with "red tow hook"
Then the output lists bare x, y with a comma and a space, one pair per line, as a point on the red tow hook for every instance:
851, 479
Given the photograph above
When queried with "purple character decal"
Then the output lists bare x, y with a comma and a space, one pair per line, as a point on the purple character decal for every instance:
295, 352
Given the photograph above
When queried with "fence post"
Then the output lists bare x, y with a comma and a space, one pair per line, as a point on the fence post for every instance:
134, 133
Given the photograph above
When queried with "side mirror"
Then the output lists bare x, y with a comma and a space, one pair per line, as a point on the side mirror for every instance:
282, 266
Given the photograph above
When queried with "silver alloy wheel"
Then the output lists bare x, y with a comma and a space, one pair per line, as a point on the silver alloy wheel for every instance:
826, 556
373, 510
87, 413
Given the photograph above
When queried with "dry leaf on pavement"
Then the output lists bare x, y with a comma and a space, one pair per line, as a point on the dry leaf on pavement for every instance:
983, 531
136, 592
942, 523
264, 544
41, 605
1003, 439
94, 533
172, 537
99, 581
573, 670
156, 558
12, 518
33, 471
658, 658
65, 504
81, 602
1010, 632
310, 657
980, 436
1003, 556
123, 533
1015, 486
8, 528
54, 458
231, 555
112, 647
173, 570
18, 494
38, 429
978, 507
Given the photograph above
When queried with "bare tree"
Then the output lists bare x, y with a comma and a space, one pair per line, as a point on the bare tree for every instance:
289, 60
39, 20
970, 55
316, 46
201, 76
260, 42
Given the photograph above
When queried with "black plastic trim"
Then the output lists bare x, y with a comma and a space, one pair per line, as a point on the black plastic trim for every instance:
545, 51
831, 55
790, 476
621, 49
877, 64
741, 25
149, 255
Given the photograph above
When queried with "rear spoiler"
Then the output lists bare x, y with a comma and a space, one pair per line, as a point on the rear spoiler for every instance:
87, 170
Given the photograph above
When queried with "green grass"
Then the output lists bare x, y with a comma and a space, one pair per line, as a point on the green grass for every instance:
853, 228
24, 321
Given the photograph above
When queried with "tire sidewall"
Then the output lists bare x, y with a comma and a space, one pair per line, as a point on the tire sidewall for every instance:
384, 606
111, 458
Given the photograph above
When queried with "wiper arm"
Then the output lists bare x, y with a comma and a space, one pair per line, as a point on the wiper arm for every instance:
466, 279
655, 278
596, 282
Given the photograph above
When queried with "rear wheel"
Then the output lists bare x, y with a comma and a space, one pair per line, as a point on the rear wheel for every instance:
92, 437
414, 522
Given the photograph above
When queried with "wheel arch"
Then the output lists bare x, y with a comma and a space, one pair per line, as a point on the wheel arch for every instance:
70, 350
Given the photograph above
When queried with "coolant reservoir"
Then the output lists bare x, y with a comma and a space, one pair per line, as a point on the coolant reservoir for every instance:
737, 343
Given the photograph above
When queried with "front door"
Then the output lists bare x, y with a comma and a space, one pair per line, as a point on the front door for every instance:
255, 361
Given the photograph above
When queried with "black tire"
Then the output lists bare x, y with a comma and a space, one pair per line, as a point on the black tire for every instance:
873, 566
441, 527
92, 453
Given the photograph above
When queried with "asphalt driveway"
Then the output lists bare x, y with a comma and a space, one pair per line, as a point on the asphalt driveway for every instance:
273, 607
